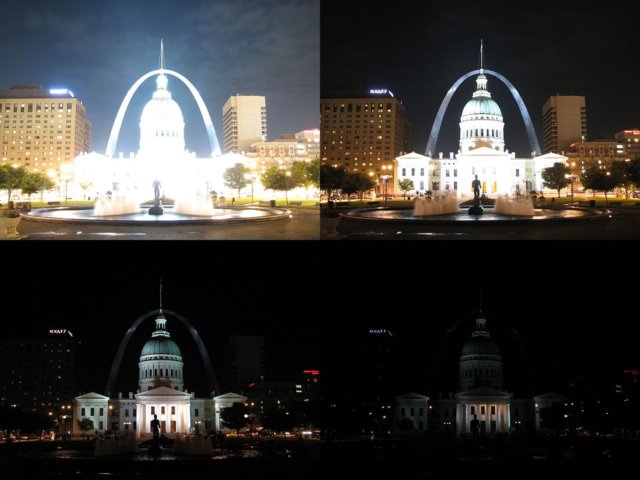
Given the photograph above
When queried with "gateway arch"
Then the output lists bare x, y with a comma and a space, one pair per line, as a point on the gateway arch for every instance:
204, 355
435, 130
117, 124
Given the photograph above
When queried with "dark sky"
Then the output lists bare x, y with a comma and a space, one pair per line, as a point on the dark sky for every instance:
544, 47
315, 302
98, 49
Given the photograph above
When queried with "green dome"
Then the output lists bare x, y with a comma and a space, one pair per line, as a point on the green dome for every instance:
480, 346
482, 106
160, 346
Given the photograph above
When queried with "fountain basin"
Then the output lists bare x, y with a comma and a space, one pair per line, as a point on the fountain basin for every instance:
170, 217
540, 216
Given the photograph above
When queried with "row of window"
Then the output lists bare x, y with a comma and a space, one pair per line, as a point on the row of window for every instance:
162, 410
29, 106
164, 372
340, 107
480, 132
403, 412
483, 410
474, 372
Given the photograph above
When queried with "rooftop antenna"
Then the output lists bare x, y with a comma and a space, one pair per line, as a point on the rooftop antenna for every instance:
481, 56
160, 294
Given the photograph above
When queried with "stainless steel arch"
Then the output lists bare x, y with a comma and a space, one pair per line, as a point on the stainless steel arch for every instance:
435, 129
117, 124
115, 366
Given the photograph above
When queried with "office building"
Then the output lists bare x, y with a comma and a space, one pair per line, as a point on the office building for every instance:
363, 131
244, 122
42, 130
564, 121
629, 140
38, 374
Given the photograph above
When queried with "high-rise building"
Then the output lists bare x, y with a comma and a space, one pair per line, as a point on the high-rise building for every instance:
38, 374
42, 130
244, 362
630, 142
244, 122
363, 131
564, 121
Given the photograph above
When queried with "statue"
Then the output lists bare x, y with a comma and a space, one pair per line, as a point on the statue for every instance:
155, 427
476, 184
476, 209
156, 191
157, 208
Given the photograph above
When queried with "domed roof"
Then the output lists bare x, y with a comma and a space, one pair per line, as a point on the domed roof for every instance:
158, 110
482, 106
480, 346
161, 107
160, 346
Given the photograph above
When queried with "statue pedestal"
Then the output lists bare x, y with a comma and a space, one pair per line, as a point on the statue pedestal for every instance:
476, 210
156, 210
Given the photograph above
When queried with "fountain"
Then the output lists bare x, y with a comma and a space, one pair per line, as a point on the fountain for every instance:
519, 206
193, 445
198, 205
115, 205
162, 157
109, 446
438, 205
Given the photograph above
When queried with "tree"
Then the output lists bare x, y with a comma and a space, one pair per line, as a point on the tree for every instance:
633, 171
11, 178
313, 172
236, 177
279, 180
622, 173
85, 186
405, 185
234, 416
306, 173
354, 182
30, 184
599, 181
277, 419
85, 424
556, 177
331, 178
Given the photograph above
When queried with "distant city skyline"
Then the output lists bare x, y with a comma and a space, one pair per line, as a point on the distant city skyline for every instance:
543, 48
223, 48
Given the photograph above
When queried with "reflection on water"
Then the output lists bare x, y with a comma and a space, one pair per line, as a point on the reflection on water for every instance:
488, 216
167, 454
168, 216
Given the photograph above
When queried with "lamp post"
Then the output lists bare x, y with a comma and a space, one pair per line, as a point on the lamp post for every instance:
66, 174
385, 178
572, 178
252, 178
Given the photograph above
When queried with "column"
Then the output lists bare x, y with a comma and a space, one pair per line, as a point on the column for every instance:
181, 418
461, 418
141, 418
187, 407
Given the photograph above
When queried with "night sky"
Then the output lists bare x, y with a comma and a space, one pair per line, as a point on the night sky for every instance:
419, 49
98, 49
314, 305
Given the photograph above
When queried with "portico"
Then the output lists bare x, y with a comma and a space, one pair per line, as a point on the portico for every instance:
171, 406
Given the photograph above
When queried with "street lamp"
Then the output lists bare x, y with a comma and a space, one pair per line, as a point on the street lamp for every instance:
385, 178
250, 176
571, 177
67, 174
